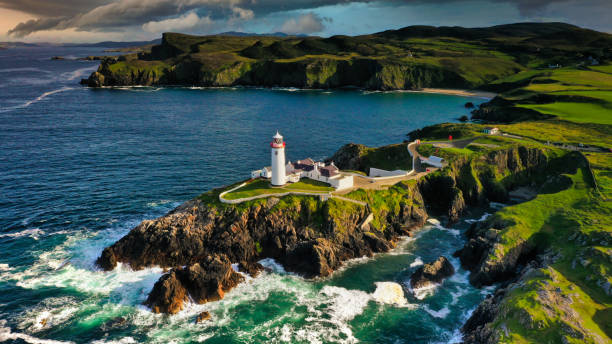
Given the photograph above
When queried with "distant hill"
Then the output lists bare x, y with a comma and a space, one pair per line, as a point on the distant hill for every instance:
409, 58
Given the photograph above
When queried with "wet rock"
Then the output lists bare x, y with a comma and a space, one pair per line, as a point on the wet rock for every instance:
203, 282
432, 273
202, 317
251, 268
168, 294
96, 79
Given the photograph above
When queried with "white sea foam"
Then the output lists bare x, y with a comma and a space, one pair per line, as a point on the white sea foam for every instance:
36, 100
482, 218
423, 292
272, 265
7, 334
417, 262
125, 340
160, 202
433, 221
390, 293
436, 223
442, 313
5, 267
33, 233
49, 313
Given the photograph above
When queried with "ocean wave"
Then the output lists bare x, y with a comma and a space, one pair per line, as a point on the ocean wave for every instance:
482, 218
124, 340
417, 262
7, 334
163, 202
33, 233
391, 293
5, 267
37, 99
423, 292
49, 313
442, 313
436, 223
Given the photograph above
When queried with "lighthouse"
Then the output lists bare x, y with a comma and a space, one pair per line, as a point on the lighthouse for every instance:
278, 160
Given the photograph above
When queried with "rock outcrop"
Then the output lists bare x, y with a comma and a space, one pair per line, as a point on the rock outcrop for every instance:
202, 317
200, 240
202, 282
432, 273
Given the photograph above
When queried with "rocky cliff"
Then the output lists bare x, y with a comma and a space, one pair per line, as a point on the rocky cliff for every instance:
200, 240
316, 72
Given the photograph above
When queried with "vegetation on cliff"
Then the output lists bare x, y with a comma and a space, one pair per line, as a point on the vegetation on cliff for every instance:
551, 253
409, 58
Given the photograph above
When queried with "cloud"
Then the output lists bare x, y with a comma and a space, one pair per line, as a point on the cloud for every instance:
305, 24
34, 25
186, 23
125, 15
49, 8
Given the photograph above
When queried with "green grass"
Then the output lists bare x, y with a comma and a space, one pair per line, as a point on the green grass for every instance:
577, 112
602, 68
572, 222
562, 131
306, 184
385, 202
263, 187
391, 157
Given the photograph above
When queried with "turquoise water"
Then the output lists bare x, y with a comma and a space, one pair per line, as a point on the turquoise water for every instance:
80, 167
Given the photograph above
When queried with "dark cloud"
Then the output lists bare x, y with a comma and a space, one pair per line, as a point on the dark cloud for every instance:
33, 25
124, 13
108, 15
52, 8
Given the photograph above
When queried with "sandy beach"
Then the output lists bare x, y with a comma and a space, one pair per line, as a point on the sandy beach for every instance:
467, 93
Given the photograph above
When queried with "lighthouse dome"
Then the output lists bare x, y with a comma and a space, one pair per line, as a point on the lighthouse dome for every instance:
277, 136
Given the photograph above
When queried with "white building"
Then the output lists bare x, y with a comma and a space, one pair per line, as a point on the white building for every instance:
278, 160
491, 130
281, 173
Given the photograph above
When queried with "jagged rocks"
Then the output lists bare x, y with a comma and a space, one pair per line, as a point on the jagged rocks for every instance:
199, 240
96, 79
348, 157
202, 317
313, 258
478, 329
251, 268
202, 282
432, 273
168, 294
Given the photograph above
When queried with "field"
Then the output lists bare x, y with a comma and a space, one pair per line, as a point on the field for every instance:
263, 187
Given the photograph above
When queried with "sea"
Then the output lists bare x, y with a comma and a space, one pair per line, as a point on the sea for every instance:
80, 167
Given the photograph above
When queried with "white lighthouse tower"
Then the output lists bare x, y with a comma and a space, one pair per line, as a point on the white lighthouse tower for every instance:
278, 160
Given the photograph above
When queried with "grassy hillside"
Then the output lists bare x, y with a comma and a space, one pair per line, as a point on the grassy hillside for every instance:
563, 237
409, 58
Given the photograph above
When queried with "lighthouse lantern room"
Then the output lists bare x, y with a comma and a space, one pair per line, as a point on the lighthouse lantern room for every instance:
278, 160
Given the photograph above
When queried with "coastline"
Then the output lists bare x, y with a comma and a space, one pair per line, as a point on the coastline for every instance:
456, 92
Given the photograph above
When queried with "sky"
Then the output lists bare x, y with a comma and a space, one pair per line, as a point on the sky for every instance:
134, 20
